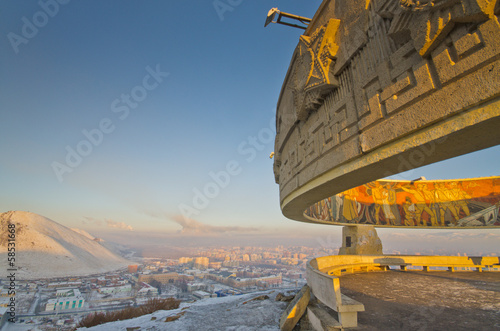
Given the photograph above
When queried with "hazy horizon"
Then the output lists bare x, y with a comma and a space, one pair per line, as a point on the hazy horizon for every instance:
128, 117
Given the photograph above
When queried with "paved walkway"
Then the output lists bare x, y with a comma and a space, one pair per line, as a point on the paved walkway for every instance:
416, 300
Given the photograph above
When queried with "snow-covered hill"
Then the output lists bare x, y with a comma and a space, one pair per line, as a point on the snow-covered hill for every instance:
118, 249
84, 233
241, 312
46, 249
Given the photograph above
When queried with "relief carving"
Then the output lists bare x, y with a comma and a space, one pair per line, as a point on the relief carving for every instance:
341, 92
430, 21
313, 77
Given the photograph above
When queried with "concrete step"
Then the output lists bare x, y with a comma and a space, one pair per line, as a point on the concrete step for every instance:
321, 318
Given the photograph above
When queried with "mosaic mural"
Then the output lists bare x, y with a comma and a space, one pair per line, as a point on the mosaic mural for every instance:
422, 203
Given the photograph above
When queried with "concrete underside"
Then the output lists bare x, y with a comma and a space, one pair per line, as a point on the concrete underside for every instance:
416, 300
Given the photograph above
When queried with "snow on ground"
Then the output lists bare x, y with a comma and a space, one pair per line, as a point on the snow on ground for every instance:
83, 233
231, 313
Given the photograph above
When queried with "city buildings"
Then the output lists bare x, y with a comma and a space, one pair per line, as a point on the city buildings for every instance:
66, 299
205, 272
163, 278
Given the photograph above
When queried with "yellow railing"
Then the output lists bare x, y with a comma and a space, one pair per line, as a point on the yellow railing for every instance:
340, 264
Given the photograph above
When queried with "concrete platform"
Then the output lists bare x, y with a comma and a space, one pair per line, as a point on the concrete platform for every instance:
416, 300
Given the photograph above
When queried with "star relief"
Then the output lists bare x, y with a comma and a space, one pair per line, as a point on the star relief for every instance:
322, 50
313, 74
429, 22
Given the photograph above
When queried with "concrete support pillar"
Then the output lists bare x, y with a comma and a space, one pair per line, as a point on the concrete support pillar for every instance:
348, 319
360, 240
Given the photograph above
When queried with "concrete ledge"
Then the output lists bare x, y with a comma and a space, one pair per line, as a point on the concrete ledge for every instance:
326, 289
295, 309
340, 264
354, 268
350, 305
322, 275
321, 319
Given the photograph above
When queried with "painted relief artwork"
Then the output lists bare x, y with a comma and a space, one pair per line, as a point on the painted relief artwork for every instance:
423, 203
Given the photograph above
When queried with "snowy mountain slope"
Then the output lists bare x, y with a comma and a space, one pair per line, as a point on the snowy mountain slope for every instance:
83, 233
227, 313
118, 249
46, 249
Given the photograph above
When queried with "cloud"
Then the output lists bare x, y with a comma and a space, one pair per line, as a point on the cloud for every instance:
118, 225
91, 220
191, 226
109, 223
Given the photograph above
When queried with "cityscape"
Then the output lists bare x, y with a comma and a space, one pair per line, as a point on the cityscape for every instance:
60, 303
173, 165
209, 272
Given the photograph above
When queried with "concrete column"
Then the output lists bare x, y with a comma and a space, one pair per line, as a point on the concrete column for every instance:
360, 240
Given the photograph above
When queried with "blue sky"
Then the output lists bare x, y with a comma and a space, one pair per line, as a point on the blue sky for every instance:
176, 89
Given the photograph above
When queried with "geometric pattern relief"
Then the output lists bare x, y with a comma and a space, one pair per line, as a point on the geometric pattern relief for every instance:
430, 21
288, 165
369, 108
311, 147
312, 140
410, 85
412, 48
467, 50
342, 119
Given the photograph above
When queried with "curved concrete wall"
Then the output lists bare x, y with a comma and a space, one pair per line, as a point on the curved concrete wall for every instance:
380, 87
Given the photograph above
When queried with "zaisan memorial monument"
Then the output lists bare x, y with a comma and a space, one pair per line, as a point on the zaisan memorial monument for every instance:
375, 88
